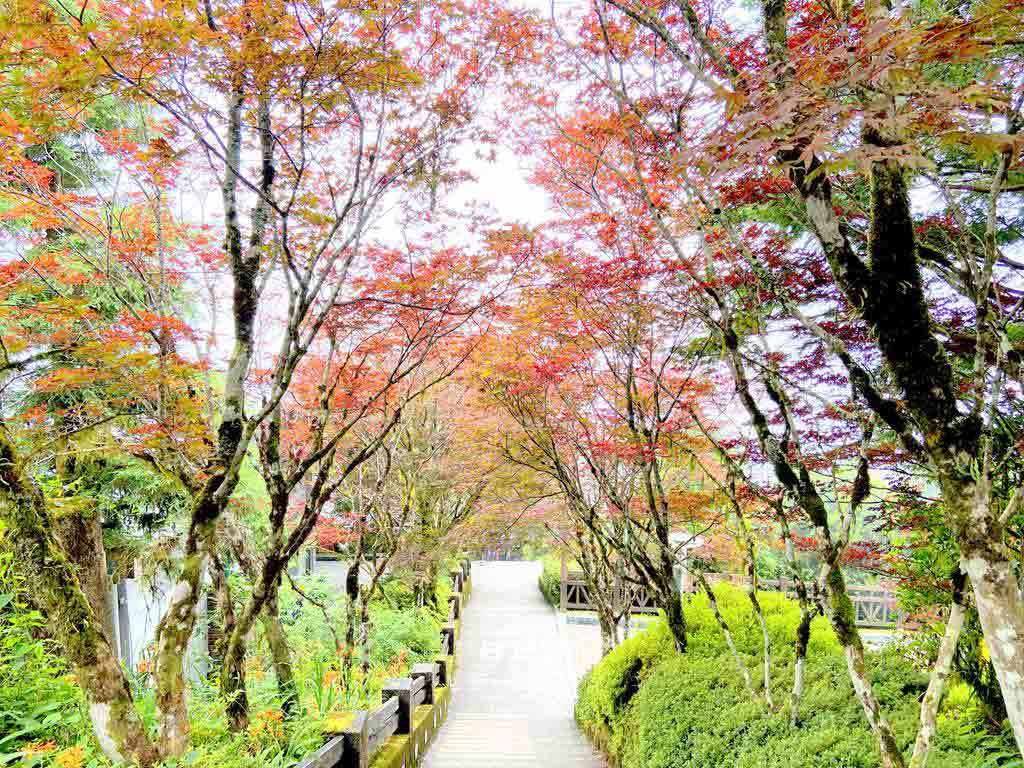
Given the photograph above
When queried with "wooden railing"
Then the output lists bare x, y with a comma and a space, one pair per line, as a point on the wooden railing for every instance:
412, 709
576, 596
874, 608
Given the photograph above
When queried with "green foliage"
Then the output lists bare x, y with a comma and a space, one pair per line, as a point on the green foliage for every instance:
38, 701
608, 688
411, 636
550, 580
649, 707
43, 714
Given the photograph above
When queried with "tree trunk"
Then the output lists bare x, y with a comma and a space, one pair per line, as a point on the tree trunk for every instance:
232, 683
727, 633
673, 608
264, 592
940, 671
82, 539
750, 558
803, 638
281, 656
364, 644
807, 611
766, 646
115, 721
1001, 610
609, 633
173, 635
840, 611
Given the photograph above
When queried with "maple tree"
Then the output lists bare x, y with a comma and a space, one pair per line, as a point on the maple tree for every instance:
317, 116
773, 161
775, 304
596, 379
408, 329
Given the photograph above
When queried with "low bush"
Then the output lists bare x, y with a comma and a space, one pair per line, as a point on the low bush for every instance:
550, 580
649, 707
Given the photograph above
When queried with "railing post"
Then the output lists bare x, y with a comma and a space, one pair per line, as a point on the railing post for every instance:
449, 630
426, 671
357, 743
400, 688
455, 601
442, 671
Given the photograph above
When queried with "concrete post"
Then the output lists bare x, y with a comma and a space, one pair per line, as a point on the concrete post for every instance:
426, 671
357, 743
400, 688
449, 631
443, 678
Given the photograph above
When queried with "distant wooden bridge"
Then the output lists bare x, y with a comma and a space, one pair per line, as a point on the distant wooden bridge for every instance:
875, 608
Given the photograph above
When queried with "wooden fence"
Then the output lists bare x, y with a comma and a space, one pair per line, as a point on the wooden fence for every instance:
397, 733
874, 608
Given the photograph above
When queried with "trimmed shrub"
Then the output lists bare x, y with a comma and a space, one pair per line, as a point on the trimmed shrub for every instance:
649, 707
550, 580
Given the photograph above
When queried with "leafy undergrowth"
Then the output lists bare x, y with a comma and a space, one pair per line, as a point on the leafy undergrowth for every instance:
44, 721
648, 707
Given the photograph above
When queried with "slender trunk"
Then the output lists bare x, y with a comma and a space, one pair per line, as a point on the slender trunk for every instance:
348, 654
766, 645
672, 599
232, 684
727, 633
807, 611
352, 593
609, 633
755, 604
179, 619
840, 612
673, 608
266, 578
232, 655
281, 656
56, 590
233, 672
173, 635
940, 671
803, 638
364, 644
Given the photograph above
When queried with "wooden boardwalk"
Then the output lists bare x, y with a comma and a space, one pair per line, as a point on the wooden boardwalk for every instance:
513, 697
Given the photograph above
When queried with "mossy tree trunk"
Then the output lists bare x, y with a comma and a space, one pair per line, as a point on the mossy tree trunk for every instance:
73, 623
81, 537
786, 458
281, 656
938, 413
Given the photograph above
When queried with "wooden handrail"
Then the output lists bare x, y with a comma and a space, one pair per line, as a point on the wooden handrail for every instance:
368, 731
874, 607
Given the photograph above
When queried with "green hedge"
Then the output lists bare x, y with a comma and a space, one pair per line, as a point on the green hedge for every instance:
550, 579
648, 707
